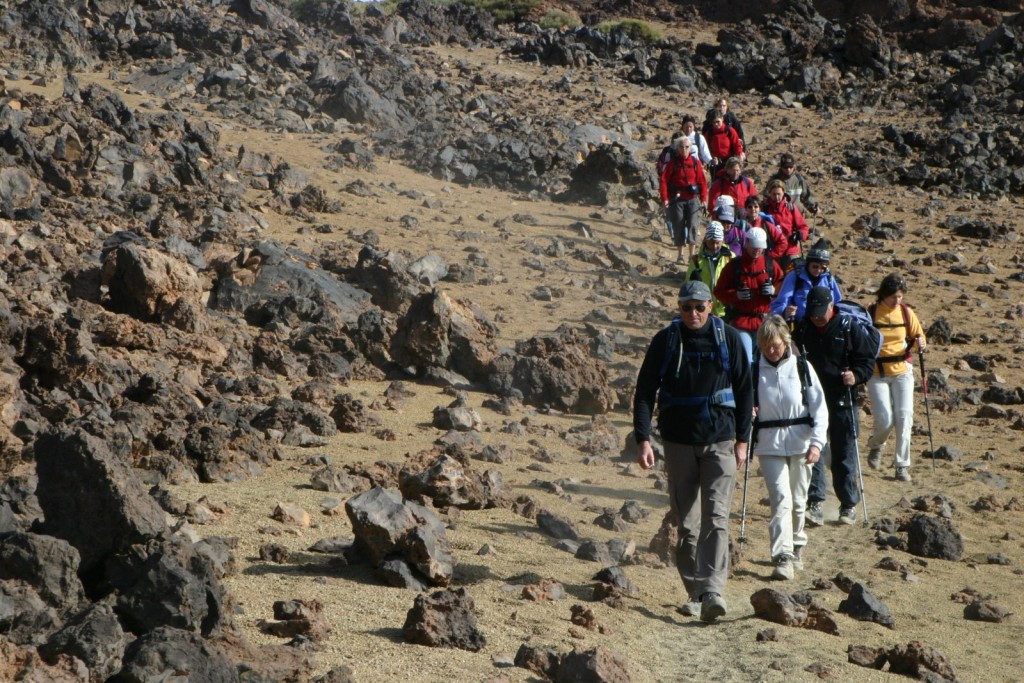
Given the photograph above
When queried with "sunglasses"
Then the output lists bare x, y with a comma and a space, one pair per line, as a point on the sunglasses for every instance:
700, 308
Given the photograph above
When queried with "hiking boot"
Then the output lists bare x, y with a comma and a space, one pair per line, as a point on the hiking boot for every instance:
690, 608
798, 557
903, 474
783, 568
712, 606
848, 515
815, 514
875, 458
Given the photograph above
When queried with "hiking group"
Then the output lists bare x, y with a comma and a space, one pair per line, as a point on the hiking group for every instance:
763, 360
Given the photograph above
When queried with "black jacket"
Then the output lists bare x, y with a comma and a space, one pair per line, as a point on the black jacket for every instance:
700, 374
834, 349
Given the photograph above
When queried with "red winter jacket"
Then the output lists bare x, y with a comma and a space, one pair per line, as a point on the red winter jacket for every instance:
679, 175
724, 143
789, 219
749, 273
738, 189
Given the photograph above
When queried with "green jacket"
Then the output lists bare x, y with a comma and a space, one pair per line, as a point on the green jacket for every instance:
707, 268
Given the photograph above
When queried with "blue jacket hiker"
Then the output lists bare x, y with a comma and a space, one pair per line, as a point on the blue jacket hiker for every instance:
791, 301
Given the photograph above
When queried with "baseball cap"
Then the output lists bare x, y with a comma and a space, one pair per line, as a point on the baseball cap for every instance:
694, 290
818, 301
756, 238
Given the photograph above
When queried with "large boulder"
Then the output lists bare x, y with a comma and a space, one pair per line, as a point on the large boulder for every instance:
387, 528
173, 654
268, 278
449, 483
94, 636
169, 583
441, 332
146, 283
91, 498
555, 372
48, 564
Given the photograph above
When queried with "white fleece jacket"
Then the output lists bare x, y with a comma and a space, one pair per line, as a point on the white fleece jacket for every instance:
780, 398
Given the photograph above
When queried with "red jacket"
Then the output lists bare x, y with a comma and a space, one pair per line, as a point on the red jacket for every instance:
748, 273
738, 189
679, 175
724, 143
789, 219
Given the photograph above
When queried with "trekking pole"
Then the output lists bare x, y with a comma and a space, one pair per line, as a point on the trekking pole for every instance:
746, 477
856, 446
927, 409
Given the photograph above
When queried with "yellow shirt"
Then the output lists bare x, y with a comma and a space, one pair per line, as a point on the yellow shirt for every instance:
894, 338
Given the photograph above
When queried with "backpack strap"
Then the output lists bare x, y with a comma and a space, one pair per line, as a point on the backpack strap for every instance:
722, 397
906, 355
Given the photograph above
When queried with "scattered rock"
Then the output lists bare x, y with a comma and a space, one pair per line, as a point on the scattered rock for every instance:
862, 605
444, 619
935, 538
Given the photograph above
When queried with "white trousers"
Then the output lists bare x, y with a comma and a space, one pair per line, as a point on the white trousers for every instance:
892, 406
787, 478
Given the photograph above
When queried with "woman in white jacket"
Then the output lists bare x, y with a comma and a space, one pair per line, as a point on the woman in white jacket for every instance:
790, 430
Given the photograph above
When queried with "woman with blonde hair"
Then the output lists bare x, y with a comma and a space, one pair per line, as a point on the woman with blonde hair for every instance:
790, 430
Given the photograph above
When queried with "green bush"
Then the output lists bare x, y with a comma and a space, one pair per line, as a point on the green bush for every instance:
556, 18
506, 11
637, 30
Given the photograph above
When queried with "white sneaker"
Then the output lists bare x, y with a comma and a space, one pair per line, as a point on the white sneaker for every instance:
783, 568
712, 606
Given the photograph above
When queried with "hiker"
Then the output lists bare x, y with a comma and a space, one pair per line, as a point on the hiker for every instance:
736, 229
790, 430
789, 220
722, 141
698, 145
707, 265
722, 107
668, 152
891, 387
791, 302
747, 286
795, 184
684, 191
840, 352
752, 212
697, 371
731, 181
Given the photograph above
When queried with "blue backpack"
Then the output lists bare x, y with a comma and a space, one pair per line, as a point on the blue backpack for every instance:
855, 314
722, 397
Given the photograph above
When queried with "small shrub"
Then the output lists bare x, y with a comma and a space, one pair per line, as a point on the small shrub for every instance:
556, 18
506, 11
637, 30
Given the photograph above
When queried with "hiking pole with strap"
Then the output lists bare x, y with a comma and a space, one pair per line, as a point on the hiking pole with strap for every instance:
927, 410
746, 477
856, 447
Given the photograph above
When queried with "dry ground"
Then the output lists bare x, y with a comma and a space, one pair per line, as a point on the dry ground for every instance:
658, 644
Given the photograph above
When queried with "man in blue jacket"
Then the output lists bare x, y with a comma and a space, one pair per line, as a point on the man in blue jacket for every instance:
697, 373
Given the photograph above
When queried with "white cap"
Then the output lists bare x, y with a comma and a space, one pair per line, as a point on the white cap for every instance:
756, 238
715, 231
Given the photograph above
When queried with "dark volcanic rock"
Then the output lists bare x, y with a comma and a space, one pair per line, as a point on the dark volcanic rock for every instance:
933, 537
555, 372
48, 564
920, 661
94, 636
444, 619
91, 498
862, 605
385, 527
598, 665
